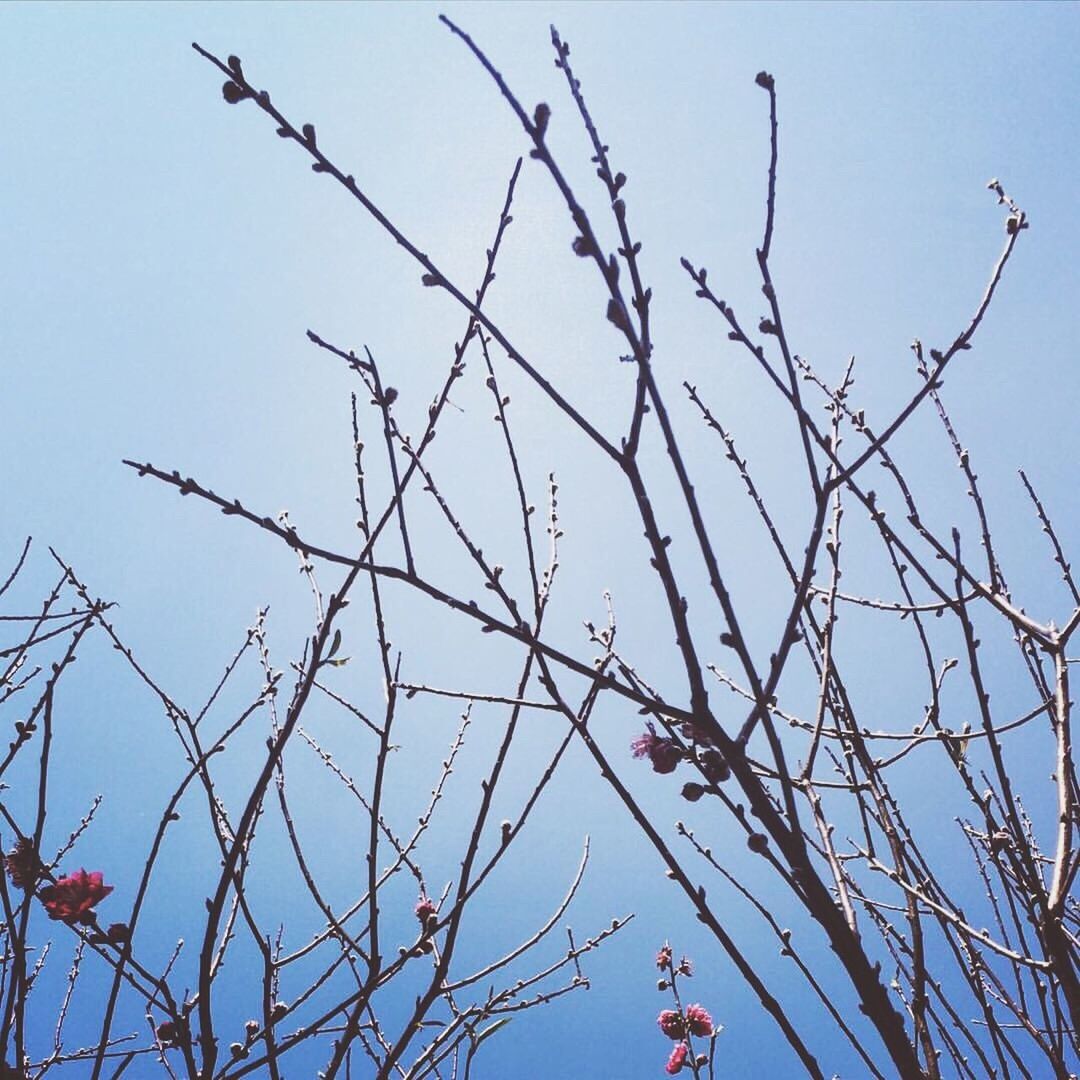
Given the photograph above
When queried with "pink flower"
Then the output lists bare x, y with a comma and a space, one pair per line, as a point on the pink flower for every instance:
663, 957
699, 1021
671, 1024
663, 753
685, 967
425, 911
677, 1059
72, 899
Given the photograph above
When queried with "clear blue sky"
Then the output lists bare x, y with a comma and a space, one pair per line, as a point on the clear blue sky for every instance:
163, 255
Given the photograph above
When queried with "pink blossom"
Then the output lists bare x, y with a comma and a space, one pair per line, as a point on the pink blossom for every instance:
72, 899
699, 1021
685, 967
663, 753
671, 1024
425, 910
663, 957
677, 1059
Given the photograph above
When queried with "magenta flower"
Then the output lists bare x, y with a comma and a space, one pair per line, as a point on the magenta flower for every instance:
663, 753
677, 1059
663, 957
671, 1024
699, 1021
72, 899
425, 910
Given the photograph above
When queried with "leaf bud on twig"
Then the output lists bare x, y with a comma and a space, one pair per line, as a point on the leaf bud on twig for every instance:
541, 116
616, 315
582, 247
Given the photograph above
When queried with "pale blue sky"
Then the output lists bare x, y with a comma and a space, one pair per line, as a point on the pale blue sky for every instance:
163, 256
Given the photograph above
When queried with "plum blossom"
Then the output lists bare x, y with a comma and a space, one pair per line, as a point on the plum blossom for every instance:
671, 1024
72, 899
699, 1021
663, 957
677, 1059
663, 753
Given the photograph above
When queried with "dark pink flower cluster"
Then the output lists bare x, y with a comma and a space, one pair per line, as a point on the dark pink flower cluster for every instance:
699, 1021
695, 1021
425, 910
663, 753
72, 899
671, 1024
681, 1024
677, 1059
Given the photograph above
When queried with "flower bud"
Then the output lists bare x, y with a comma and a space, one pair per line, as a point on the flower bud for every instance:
233, 92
